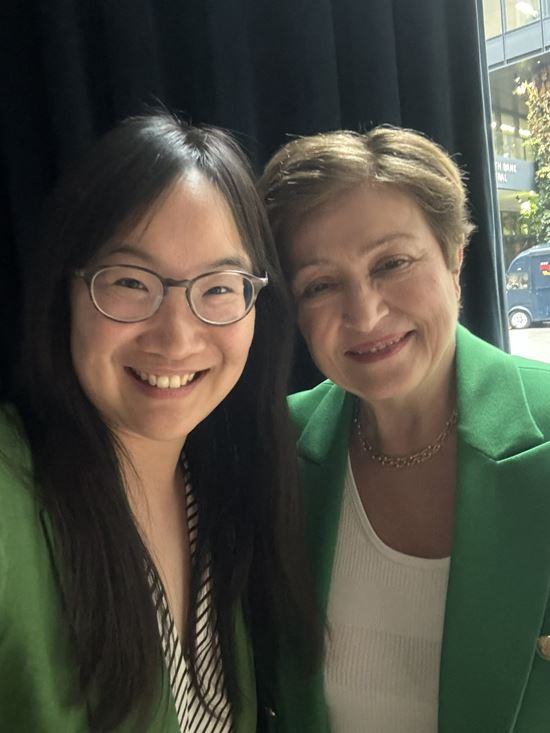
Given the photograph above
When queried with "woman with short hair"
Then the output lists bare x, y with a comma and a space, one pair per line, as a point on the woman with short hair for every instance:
424, 456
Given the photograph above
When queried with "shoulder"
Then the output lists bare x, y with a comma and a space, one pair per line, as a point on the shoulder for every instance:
322, 417
303, 405
19, 508
15, 462
31, 612
11, 427
533, 373
504, 400
487, 355
476, 355
535, 378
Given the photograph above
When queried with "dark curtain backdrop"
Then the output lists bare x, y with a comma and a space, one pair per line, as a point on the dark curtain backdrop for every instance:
265, 69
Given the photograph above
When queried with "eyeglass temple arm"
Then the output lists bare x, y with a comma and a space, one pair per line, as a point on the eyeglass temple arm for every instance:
258, 281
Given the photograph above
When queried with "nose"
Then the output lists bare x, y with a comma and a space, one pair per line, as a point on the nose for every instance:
364, 306
174, 331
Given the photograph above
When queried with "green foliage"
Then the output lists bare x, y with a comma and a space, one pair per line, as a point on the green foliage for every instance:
535, 210
529, 216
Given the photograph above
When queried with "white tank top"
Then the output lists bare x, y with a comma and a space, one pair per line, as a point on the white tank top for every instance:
385, 616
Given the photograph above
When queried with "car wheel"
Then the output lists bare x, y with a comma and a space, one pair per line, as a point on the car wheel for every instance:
519, 319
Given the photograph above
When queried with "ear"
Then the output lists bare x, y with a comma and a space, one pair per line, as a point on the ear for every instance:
457, 269
459, 259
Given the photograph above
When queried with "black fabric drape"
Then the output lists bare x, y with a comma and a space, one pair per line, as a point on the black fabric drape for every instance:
264, 69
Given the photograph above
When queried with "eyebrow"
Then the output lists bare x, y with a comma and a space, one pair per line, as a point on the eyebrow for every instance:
366, 248
129, 249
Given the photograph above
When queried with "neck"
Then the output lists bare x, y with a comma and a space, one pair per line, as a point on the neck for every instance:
403, 426
152, 473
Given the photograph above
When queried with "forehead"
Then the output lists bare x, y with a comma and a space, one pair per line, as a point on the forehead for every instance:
192, 203
362, 216
189, 224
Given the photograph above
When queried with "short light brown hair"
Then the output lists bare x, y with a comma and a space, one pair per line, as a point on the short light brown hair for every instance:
308, 173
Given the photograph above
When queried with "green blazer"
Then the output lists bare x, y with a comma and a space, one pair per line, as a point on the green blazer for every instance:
492, 679
38, 693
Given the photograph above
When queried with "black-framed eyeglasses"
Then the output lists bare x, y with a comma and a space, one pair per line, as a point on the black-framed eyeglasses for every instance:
129, 293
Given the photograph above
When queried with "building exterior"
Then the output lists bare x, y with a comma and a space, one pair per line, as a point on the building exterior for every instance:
517, 36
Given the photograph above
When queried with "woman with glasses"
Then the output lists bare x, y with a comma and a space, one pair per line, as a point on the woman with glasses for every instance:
146, 497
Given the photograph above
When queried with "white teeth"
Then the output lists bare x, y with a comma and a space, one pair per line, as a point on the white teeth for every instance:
381, 347
175, 381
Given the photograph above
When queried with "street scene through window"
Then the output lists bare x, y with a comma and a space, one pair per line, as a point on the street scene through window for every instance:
517, 32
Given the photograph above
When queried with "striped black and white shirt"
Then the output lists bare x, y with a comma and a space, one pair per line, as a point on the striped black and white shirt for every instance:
193, 715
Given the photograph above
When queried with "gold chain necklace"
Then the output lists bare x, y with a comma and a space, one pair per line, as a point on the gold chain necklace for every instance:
413, 459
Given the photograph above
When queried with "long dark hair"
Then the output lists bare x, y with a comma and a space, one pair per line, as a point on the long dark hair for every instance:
241, 455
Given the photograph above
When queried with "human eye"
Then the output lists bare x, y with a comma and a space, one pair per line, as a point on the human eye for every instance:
219, 288
131, 283
392, 264
219, 285
126, 281
318, 288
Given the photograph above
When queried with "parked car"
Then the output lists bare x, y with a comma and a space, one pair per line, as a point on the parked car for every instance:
528, 287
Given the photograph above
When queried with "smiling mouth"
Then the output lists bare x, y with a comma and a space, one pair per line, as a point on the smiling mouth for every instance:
378, 351
163, 381
379, 347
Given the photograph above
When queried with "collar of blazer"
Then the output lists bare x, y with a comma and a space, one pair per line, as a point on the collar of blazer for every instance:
500, 565
495, 426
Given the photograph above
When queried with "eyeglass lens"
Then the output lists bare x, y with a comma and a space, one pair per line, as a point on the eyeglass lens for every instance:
129, 294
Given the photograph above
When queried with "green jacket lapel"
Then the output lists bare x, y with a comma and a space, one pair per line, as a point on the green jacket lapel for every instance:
500, 562
323, 451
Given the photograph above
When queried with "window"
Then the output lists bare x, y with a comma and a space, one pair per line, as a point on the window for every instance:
525, 134
492, 18
528, 270
518, 280
521, 12
512, 144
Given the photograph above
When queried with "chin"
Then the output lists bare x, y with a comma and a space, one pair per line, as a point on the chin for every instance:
155, 431
386, 389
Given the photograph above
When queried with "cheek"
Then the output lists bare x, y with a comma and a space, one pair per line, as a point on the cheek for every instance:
306, 325
82, 334
315, 327
93, 341
84, 353
237, 340
450, 295
440, 292
442, 308
84, 326
310, 320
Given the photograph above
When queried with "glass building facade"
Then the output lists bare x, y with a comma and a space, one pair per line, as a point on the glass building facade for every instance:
517, 34
501, 16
